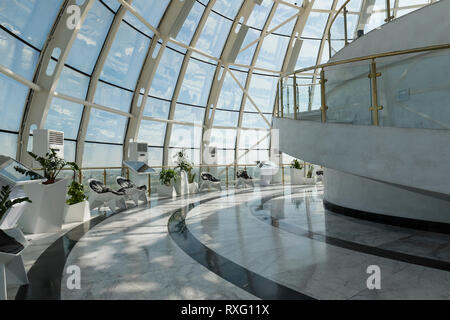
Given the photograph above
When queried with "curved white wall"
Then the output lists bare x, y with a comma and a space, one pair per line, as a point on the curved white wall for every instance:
363, 194
413, 89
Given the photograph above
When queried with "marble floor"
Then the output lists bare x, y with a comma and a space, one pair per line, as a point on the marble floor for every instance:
266, 243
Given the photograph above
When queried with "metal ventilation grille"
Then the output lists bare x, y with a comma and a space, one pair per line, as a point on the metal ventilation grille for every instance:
56, 138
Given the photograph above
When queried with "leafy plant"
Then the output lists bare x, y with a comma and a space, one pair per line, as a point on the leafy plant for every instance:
296, 164
167, 175
76, 189
5, 203
310, 171
183, 162
191, 176
50, 163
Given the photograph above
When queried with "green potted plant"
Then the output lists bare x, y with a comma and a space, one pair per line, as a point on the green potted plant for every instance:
10, 207
77, 206
167, 177
46, 213
296, 172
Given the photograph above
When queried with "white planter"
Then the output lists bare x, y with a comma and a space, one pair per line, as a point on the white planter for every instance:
46, 212
193, 188
77, 212
165, 191
296, 176
182, 184
12, 216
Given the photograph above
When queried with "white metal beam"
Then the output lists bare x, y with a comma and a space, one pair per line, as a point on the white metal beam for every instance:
59, 43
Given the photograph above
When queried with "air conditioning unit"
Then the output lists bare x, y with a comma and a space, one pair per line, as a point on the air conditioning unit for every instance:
139, 152
44, 140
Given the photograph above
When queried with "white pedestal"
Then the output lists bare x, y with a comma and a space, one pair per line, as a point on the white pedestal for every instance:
77, 212
182, 184
46, 212
165, 191
296, 176
193, 188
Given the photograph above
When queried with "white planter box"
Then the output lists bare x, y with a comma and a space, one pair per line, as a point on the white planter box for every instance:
296, 176
193, 188
77, 212
182, 185
165, 191
46, 212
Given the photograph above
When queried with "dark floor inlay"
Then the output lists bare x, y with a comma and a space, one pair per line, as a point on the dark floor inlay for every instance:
376, 251
239, 276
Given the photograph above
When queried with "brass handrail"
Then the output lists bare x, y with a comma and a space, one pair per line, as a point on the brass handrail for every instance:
371, 57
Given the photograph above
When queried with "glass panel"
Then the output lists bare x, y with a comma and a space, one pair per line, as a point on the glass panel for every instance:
262, 90
12, 102
9, 144
90, 38
226, 118
113, 97
281, 15
189, 114
255, 120
64, 116
223, 139
225, 157
186, 136
166, 75
187, 31
259, 14
17, 56
197, 83
124, 62
152, 132
106, 127
155, 156
214, 35
31, 20
246, 56
157, 108
315, 25
151, 10
308, 54
73, 83
272, 52
102, 155
112, 4
231, 94
227, 8
69, 150
250, 137
252, 157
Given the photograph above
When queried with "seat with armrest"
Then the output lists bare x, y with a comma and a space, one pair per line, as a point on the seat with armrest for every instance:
209, 181
100, 195
132, 191
243, 179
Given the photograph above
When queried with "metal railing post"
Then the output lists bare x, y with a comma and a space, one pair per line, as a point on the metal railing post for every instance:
323, 106
81, 177
104, 176
227, 176
282, 174
375, 107
295, 98
128, 173
281, 97
389, 17
345, 26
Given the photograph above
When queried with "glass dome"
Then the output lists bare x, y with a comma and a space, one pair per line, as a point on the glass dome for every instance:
195, 91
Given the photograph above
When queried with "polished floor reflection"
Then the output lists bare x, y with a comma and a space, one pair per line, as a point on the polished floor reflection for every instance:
267, 243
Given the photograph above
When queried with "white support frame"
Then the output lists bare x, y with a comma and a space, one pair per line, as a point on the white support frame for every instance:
60, 38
